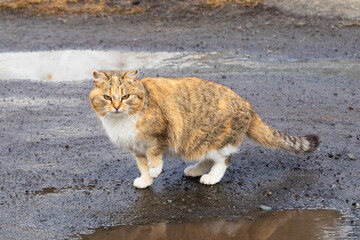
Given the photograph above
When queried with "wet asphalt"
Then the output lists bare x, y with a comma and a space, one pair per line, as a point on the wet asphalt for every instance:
60, 176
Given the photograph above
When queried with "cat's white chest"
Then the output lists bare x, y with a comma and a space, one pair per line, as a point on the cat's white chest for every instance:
122, 131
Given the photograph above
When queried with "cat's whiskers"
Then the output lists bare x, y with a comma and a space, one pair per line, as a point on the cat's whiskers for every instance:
106, 115
131, 117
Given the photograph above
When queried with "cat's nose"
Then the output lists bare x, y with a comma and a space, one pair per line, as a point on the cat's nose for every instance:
116, 107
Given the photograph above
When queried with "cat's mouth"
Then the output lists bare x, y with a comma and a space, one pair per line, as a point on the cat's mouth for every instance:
116, 113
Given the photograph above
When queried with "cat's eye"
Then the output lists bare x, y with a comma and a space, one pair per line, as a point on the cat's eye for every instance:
125, 97
106, 97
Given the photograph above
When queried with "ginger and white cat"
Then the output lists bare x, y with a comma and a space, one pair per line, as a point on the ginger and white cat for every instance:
189, 117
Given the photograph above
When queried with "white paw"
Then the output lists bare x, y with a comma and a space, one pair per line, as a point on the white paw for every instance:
155, 171
191, 172
209, 179
141, 183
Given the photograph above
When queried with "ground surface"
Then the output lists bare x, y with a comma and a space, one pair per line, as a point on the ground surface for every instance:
60, 175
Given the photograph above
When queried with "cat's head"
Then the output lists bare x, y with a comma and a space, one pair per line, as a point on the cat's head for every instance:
117, 93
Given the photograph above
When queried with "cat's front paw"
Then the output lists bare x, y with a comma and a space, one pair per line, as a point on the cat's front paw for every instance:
155, 171
209, 179
141, 183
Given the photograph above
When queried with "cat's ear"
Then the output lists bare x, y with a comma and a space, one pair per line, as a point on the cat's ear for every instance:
132, 74
99, 76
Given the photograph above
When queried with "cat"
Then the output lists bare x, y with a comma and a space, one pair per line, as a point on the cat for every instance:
189, 117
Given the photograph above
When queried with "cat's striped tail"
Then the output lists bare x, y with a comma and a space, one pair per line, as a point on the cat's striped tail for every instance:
261, 133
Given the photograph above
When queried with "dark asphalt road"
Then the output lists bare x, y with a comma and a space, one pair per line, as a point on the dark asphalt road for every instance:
61, 176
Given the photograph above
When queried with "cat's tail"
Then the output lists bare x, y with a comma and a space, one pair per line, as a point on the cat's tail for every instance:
261, 133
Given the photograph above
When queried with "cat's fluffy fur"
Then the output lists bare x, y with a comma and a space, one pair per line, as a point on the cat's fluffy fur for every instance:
189, 117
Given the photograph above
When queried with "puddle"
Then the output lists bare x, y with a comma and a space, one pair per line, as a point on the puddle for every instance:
73, 65
282, 225
49, 190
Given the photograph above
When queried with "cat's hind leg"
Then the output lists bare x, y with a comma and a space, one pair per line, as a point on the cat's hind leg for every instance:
217, 171
200, 168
